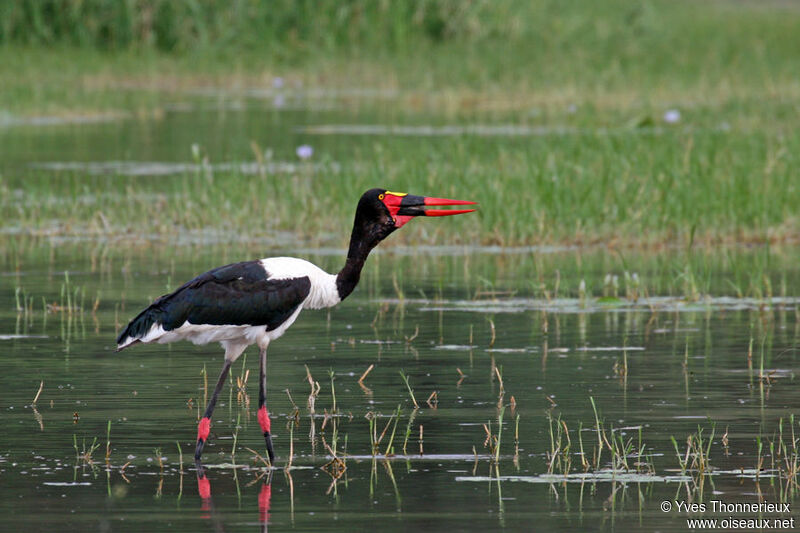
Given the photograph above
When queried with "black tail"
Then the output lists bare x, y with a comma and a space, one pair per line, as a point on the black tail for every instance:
139, 327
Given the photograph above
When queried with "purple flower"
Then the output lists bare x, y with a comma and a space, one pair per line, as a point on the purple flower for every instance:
304, 151
672, 116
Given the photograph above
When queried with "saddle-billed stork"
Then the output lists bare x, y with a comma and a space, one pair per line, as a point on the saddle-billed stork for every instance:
254, 302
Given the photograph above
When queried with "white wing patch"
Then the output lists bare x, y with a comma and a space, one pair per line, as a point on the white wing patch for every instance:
323, 291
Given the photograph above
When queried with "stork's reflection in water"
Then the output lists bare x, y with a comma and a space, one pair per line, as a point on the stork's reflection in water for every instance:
207, 501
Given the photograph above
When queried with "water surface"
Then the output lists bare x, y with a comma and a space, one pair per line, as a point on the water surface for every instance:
477, 331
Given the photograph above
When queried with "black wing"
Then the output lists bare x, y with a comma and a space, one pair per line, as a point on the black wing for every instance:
237, 294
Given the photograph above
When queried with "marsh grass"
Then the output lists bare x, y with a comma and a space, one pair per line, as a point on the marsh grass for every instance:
566, 45
696, 457
408, 432
405, 379
389, 448
605, 166
108, 443
616, 452
624, 454
84, 455
783, 452
581, 285
627, 189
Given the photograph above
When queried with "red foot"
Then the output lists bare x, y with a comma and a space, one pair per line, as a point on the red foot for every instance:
203, 429
263, 418
263, 502
204, 488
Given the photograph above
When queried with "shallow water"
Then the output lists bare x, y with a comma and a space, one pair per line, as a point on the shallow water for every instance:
487, 329
152, 396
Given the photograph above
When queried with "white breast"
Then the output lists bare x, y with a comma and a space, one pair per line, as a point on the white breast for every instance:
323, 291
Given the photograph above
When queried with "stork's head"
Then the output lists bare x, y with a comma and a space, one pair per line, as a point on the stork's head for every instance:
380, 212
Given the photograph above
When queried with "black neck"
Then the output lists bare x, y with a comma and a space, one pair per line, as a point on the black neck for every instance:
372, 224
366, 236
348, 277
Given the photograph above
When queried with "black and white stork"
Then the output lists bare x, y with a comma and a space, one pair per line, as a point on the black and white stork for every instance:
254, 302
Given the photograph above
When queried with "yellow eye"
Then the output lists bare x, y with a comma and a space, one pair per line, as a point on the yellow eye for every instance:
381, 196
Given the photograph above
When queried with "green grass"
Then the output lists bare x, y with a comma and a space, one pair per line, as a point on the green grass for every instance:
631, 188
613, 54
607, 73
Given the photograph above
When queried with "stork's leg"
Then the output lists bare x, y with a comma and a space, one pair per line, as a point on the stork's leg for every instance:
204, 427
263, 415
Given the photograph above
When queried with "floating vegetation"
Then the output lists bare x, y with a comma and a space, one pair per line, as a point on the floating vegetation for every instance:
164, 168
60, 120
12, 337
481, 130
576, 306
455, 347
600, 476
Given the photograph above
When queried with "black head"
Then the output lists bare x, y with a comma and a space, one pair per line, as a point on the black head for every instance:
380, 212
373, 220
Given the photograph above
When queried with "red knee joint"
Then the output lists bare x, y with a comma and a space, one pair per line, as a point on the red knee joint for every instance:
263, 418
203, 429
